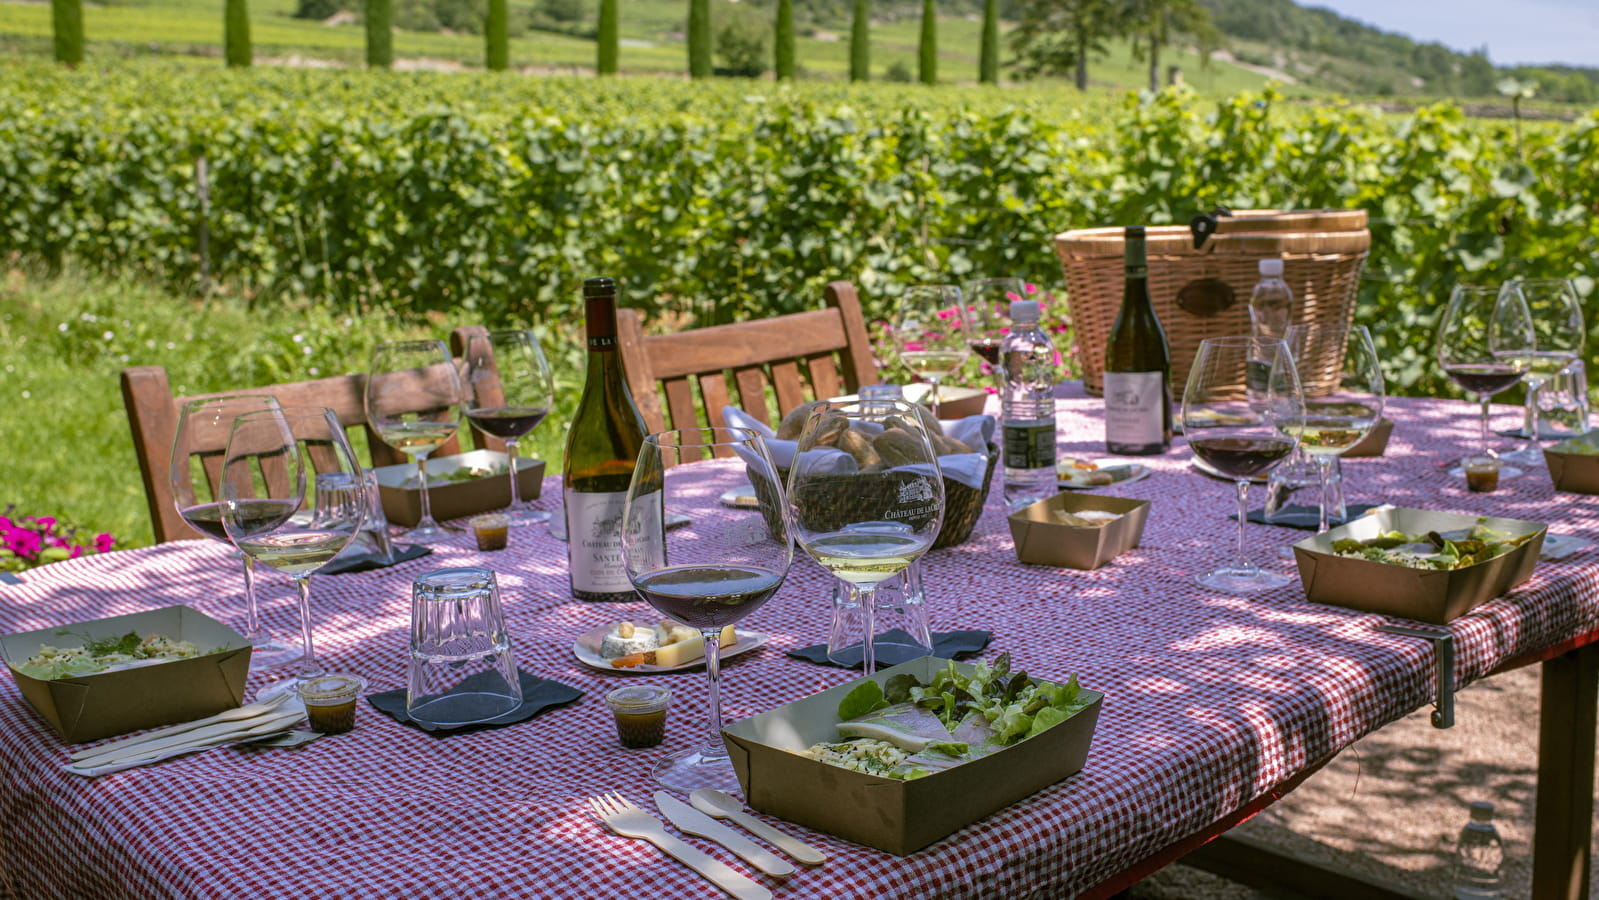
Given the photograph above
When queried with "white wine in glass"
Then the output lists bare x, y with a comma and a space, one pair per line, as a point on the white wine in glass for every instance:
413, 401
931, 333
1342, 382
1554, 311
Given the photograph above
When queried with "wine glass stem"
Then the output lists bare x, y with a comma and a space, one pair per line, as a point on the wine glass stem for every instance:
866, 596
308, 665
1242, 562
1484, 435
934, 382
713, 673
422, 480
1324, 466
510, 457
252, 612
1529, 422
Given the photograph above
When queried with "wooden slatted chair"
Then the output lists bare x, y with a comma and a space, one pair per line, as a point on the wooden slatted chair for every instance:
797, 357
153, 417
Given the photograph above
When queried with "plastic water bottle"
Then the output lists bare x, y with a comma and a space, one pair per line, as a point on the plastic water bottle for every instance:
1271, 305
1028, 407
1479, 857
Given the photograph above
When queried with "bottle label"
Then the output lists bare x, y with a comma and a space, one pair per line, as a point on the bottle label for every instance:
594, 542
1132, 408
1029, 445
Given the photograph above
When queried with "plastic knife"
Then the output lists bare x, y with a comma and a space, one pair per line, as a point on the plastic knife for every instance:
689, 820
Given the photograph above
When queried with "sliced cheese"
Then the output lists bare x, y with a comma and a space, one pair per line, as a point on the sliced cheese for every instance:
680, 653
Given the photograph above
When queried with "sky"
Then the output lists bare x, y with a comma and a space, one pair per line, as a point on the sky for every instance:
1514, 31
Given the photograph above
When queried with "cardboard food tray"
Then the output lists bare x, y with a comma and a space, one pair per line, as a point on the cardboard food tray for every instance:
1042, 539
1571, 470
1421, 594
899, 817
1375, 443
86, 707
451, 500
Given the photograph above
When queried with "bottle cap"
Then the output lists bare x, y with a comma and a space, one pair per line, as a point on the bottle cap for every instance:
599, 287
1482, 811
1271, 267
1024, 310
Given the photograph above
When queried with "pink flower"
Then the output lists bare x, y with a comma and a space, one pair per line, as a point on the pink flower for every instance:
103, 543
46, 521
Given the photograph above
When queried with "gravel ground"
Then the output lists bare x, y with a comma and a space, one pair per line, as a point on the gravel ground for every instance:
1391, 805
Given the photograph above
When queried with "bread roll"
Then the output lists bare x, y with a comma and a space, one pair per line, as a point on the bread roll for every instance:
789, 429
855, 444
898, 447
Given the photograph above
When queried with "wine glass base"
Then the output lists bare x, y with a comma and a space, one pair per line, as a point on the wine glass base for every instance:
690, 770
1531, 455
1240, 581
426, 535
267, 652
527, 516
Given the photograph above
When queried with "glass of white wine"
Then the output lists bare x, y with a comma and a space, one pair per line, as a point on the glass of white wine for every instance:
413, 402
278, 511
932, 332
1554, 312
867, 497
1341, 377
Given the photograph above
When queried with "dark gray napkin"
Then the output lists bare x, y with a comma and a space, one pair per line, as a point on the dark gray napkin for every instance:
365, 562
538, 694
894, 647
10, 578
1306, 517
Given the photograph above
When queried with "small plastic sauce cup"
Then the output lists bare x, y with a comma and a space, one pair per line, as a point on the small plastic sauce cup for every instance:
1482, 474
491, 530
640, 712
330, 701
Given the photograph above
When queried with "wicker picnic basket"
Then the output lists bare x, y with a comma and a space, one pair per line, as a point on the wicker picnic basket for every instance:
1201, 275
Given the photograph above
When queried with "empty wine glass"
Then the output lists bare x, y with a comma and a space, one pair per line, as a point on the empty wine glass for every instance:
292, 498
931, 332
988, 303
867, 497
413, 396
201, 438
1341, 378
708, 574
1242, 414
1555, 313
509, 390
1484, 339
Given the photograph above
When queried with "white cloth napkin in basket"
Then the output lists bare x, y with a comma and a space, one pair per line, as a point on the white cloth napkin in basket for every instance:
965, 468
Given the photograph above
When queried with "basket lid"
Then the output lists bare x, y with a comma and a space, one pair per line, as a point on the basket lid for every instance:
1177, 240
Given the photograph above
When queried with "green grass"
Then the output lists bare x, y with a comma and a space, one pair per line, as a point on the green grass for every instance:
66, 338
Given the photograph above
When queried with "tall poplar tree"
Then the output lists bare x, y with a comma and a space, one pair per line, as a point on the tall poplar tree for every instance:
927, 67
379, 33
609, 39
783, 51
699, 38
1053, 37
988, 58
66, 22
236, 32
860, 42
496, 37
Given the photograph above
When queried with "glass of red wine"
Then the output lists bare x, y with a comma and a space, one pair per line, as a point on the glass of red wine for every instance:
1485, 339
988, 316
509, 390
1240, 413
710, 572
196, 461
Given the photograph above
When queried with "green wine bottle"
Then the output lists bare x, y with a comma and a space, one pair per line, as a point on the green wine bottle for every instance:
1137, 365
601, 450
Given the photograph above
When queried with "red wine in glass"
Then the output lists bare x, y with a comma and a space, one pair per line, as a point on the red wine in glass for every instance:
255, 515
708, 596
1241, 457
508, 422
987, 348
1484, 379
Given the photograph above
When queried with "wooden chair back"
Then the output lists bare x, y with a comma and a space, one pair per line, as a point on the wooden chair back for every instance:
153, 417
765, 367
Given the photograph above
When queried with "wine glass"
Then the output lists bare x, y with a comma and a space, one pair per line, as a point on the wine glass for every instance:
708, 574
413, 392
1555, 312
202, 434
931, 332
1341, 379
509, 390
1241, 413
867, 497
292, 498
1484, 340
988, 303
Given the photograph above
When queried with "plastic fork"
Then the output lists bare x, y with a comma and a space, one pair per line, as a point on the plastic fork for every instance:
627, 820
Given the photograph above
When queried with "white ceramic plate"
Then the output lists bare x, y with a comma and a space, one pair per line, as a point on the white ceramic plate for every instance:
587, 651
1121, 472
742, 497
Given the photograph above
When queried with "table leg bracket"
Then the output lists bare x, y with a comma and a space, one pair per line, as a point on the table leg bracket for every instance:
1443, 645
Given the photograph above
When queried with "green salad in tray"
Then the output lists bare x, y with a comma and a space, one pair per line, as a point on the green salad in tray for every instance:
1440, 550
909, 729
105, 654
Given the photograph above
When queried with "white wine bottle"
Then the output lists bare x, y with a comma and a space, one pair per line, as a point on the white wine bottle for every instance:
1137, 365
601, 450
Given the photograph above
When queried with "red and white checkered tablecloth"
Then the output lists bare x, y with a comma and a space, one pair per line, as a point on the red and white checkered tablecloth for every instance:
1210, 701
